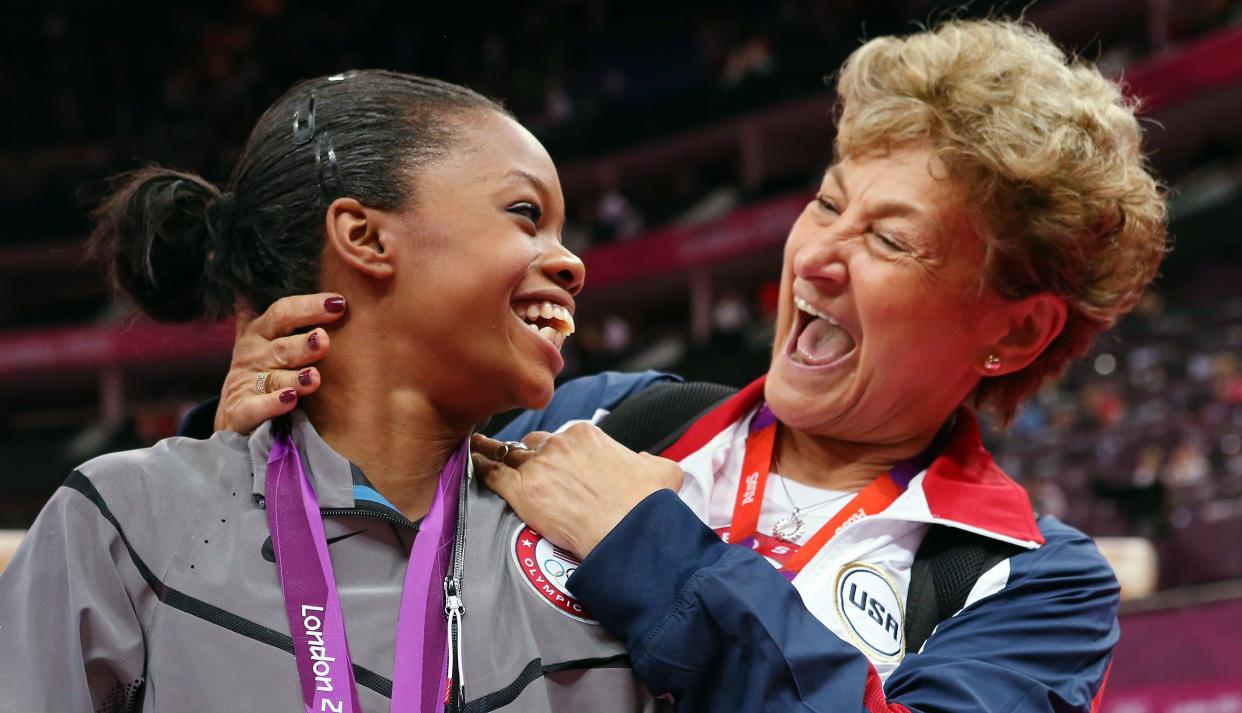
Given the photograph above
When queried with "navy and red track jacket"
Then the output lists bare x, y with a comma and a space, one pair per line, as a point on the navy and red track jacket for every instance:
718, 628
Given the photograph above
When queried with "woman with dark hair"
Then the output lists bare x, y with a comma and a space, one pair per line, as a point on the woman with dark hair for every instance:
347, 533
988, 214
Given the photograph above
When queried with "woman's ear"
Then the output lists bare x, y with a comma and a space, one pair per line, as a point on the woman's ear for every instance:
355, 235
1033, 323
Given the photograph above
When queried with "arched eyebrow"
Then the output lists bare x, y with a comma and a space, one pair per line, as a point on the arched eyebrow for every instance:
552, 207
520, 175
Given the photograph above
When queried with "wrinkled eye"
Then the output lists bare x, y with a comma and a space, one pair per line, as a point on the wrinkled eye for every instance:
528, 210
889, 243
827, 205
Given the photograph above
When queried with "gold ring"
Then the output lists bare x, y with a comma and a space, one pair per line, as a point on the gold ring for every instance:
260, 382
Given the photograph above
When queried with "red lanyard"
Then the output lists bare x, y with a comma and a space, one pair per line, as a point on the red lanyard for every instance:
757, 465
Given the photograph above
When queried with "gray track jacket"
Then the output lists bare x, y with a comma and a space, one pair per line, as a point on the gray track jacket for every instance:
148, 584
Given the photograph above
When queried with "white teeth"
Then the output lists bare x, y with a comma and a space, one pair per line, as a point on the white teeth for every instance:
562, 315
552, 335
806, 307
562, 319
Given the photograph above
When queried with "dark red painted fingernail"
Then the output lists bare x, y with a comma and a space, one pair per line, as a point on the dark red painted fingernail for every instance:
334, 305
312, 341
304, 377
288, 396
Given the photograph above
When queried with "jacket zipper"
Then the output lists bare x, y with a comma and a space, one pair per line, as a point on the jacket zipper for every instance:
455, 696
354, 512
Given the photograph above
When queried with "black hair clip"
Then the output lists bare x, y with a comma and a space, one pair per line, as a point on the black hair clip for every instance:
330, 185
329, 173
304, 122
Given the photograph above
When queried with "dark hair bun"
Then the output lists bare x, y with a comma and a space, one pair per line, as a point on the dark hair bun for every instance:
183, 251
155, 236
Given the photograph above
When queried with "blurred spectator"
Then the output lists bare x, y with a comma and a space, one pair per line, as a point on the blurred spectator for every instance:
616, 219
558, 107
752, 58
616, 336
731, 314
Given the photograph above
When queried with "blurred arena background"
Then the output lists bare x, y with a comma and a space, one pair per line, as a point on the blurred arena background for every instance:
688, 136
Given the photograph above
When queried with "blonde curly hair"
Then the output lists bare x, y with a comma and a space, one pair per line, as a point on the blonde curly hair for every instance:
1046, 145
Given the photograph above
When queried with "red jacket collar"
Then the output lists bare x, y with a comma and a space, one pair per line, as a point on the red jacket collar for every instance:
963, 485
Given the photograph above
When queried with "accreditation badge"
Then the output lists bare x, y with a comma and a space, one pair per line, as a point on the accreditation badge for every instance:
547, 568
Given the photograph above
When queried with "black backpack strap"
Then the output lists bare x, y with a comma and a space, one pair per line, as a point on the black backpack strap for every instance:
200, 421
946, 567
654, 418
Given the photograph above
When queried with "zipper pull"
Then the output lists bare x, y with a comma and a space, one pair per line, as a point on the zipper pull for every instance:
453, 610
452, 599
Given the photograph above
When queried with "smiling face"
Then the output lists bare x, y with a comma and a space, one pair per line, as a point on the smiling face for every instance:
487, 290
882, 327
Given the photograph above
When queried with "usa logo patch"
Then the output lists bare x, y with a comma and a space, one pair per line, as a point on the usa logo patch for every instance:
869, 607
546, 568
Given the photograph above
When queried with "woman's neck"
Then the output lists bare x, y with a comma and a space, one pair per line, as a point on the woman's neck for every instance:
833, 464
397, 436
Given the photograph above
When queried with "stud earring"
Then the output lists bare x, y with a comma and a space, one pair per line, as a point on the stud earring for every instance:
991, 363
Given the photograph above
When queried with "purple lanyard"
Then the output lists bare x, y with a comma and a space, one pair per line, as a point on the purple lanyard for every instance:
314, 609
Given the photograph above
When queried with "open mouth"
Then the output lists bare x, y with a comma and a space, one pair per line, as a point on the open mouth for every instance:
549, 320
817, 338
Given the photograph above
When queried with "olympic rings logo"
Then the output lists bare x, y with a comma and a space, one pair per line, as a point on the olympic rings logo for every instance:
556, 568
